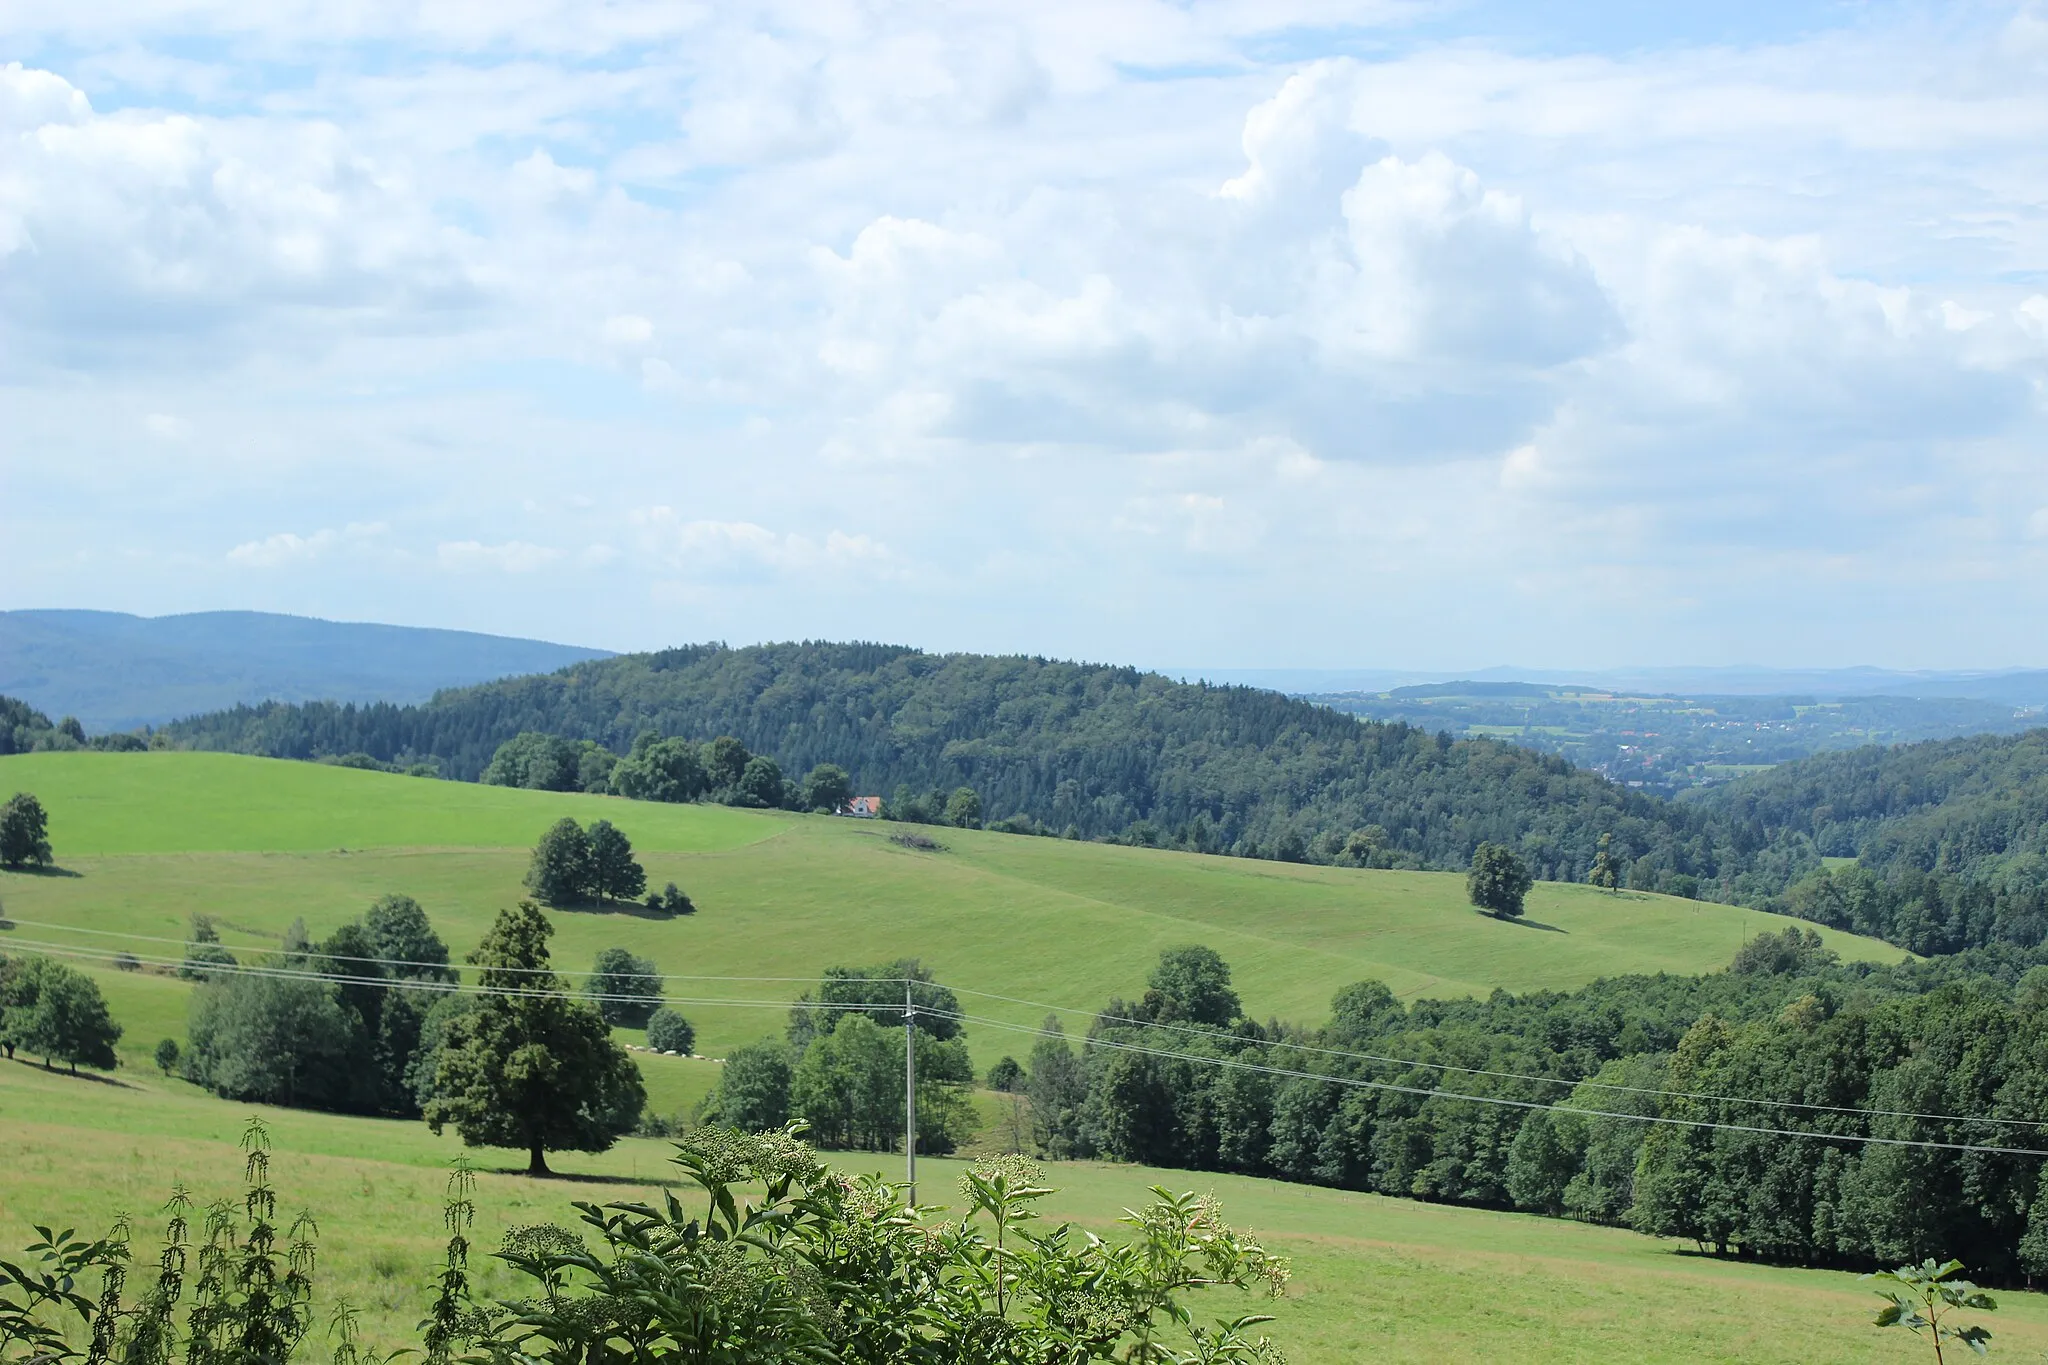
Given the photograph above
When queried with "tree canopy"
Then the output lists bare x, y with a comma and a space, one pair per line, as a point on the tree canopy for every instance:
536, 1070
24, 832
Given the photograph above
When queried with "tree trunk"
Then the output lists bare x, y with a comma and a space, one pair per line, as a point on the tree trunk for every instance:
537, 1163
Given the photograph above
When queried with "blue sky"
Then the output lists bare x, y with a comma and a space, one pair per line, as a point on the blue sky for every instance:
1287, 334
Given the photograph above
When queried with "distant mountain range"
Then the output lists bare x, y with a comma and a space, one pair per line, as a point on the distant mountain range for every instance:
114, 671
2012, 687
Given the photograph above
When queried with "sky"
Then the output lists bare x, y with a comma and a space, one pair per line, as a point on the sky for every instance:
1293, 333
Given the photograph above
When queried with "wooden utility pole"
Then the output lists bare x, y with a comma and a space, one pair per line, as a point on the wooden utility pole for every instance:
910, 1090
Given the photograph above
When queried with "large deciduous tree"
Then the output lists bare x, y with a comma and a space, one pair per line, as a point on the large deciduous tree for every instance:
531, 1067
24, 832
661, 770
827, 787
614, 874
1498, 881
561, 870
57, 1013
626, 989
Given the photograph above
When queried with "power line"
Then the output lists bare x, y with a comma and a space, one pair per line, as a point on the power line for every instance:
1419, 1064
1432, 1093
384, 982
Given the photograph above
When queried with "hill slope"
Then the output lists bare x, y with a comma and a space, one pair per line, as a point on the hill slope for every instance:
153, 838
114, 671
1098, 750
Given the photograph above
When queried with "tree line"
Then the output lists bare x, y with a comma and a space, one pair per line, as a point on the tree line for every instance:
1545, 1102
1089, 750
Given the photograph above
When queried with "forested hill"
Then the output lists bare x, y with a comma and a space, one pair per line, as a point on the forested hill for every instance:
1082, 748
1950, 837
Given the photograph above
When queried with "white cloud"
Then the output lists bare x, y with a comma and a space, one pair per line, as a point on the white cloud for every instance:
512, 556
287, 547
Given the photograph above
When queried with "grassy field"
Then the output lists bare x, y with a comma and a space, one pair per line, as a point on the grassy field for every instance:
1382, 1279
146, 840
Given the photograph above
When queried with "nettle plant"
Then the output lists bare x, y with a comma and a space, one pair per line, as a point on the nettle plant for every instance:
825, 1267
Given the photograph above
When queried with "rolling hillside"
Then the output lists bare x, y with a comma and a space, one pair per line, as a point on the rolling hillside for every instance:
147, 839
114, 671
1095, 750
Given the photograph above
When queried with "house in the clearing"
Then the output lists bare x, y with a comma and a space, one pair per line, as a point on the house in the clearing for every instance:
862, 807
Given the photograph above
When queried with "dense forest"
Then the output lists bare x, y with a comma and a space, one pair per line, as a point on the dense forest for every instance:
1950, 838
1727, 1109
25, 730
1088, 750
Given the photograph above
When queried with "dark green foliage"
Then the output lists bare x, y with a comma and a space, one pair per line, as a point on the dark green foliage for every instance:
626, 989
1792, 952
753, 1086
1007, 1076
166, 1055
760, 784
536, 1071
876, 993
1794, 1041
661, 770
790, 1261
24, 832
827, 788
535, 760
404, 937
1111, 752
614, 875
203, 950
963, 808
725, 762
668, 1031
1190, 985
56, 1012
1925, 1299
279, 1040
561, 873
670, 900
1498, 881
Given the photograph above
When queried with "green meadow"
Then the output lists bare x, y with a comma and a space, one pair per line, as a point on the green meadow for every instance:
1375, 1278
146, 840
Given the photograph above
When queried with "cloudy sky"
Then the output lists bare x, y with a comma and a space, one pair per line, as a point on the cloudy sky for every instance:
1287, 333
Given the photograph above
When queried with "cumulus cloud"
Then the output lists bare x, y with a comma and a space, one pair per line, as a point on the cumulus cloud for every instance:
704, 548
512, 556
288, 547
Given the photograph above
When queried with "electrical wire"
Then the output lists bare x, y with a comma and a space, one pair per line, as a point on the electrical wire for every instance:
384, 982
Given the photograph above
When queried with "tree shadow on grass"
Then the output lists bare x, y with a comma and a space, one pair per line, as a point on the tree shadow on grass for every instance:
96, 1077
51, 870
630, 909
1526, 923
585, 1178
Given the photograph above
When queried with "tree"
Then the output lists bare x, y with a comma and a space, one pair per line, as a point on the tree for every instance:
668, 1031
1190, 985
534, 760
406, 940
661, 770
279, 1040
626, 989
849, 1086
203, 952
1923, 1298
725, 759
963, 808
614, 875
24, 832
1498, 881
827, 788
166, 1055
760, 784
670, 900
1057, 1085
536, 1070
1007, 1076
753, 1087
1606, 870
561, 871
57, 1013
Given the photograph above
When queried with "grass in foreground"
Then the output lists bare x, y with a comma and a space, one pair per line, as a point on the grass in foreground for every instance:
1375, 1278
